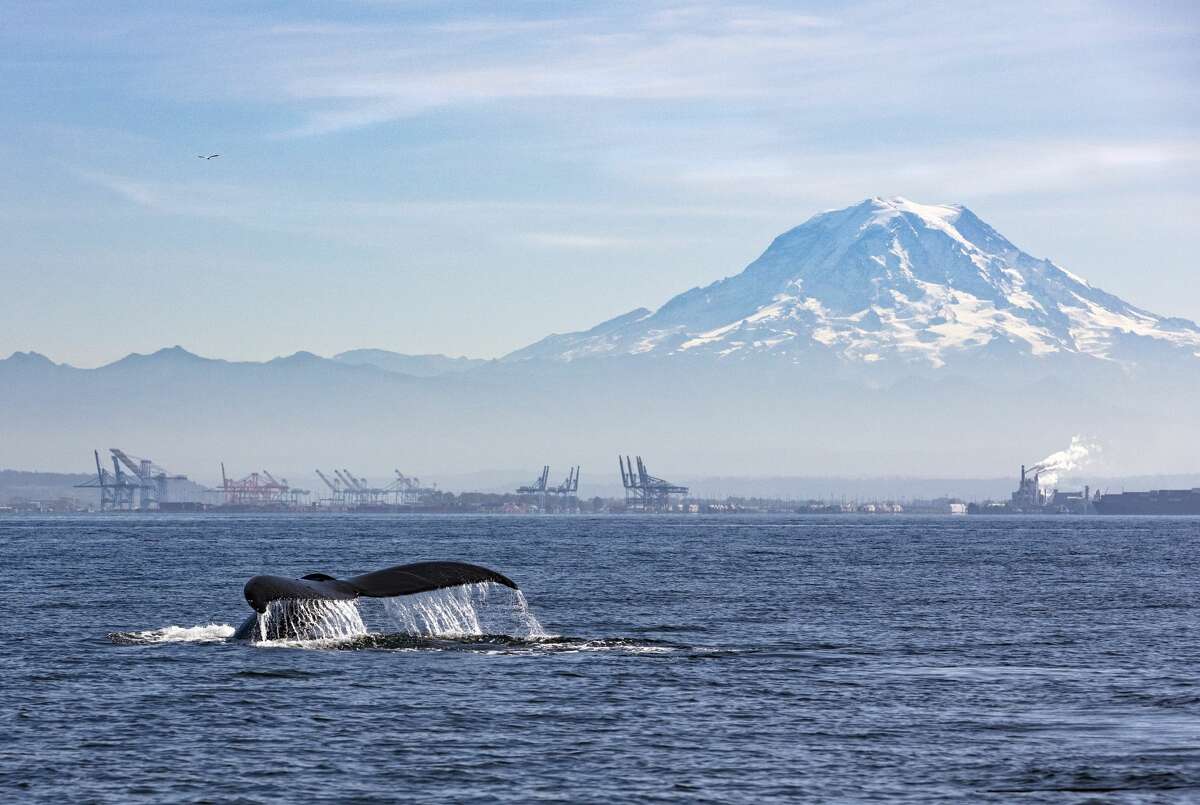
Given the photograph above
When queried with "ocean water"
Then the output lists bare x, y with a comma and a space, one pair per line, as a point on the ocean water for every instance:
661, 659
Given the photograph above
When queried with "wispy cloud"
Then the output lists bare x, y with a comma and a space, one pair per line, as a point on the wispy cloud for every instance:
573, 240
773, 59
197, 199
144, 194
969, 169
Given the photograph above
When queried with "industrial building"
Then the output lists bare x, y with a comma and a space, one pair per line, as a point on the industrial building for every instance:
1156, 501
1031, 497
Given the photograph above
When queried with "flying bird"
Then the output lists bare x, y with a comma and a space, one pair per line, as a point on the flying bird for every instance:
210, 156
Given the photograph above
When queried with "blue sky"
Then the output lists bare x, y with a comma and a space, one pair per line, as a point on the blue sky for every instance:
467, 178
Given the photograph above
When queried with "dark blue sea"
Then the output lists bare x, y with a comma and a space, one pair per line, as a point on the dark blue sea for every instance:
679, 659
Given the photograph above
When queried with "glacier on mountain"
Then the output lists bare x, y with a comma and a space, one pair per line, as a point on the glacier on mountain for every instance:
887, 280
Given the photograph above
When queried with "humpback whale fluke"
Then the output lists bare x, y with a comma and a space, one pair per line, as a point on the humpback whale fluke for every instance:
418, 577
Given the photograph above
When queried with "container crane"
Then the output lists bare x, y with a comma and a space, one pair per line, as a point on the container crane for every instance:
337, 495
644, 492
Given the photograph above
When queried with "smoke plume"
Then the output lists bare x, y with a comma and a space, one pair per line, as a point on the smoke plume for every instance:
1074, 457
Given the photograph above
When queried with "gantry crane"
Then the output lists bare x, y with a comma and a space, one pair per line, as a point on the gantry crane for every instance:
644, 492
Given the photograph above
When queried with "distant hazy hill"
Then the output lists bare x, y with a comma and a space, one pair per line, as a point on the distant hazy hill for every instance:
886, 339
17, 485
415, 365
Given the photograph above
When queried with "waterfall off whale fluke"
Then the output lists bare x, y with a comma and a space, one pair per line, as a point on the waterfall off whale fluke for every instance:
464, 612
291, 608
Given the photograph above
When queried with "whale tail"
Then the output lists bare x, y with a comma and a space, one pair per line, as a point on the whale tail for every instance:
422, 577
410, 579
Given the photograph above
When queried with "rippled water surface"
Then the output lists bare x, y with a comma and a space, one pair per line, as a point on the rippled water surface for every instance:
720, 659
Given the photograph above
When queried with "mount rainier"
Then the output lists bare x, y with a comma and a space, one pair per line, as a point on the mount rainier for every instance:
888, 337
889, 280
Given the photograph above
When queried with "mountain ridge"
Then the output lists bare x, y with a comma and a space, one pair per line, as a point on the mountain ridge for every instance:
176, 357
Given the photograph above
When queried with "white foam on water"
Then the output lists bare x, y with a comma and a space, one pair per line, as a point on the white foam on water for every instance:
622, 645
472, 610
308, 621
205, 633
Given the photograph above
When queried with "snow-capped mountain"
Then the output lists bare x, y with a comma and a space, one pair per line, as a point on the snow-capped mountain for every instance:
889, 280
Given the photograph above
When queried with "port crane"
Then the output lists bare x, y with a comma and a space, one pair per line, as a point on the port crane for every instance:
406, 491
569, 486
541, 487
338, 497
644, 492
348, 489
134, 483
538, 485
117, 493
258, 490
406, 482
